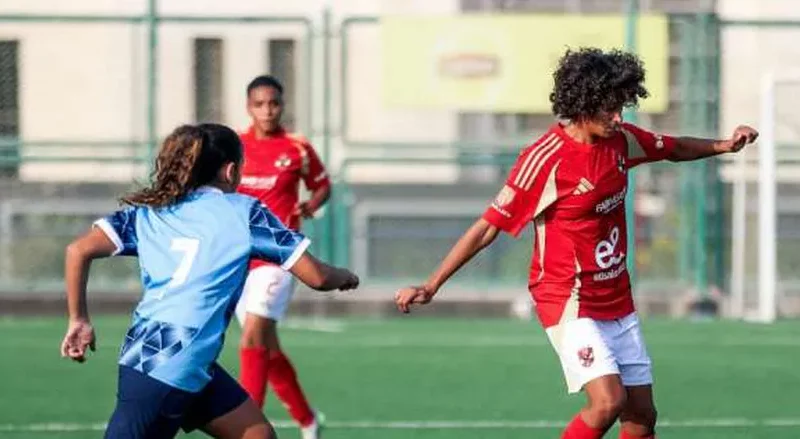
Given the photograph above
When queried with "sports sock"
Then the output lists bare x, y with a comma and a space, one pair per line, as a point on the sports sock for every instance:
577, 429
253, 374
283, 379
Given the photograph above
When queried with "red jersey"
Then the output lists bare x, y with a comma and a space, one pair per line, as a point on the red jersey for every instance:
575, 195
272, 171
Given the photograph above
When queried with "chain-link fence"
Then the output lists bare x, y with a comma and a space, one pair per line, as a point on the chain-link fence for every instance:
83, 101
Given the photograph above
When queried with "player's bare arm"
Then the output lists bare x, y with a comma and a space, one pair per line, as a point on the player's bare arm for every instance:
691, 148
319, 197
479, 236
323, 277
79, 255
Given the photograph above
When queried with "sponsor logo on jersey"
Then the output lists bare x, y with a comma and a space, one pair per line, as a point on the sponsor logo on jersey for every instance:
260, 182
586, 356
612, 202
608, 256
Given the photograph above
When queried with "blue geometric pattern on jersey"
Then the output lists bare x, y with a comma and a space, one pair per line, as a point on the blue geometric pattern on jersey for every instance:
270, 237
149, 344
124, 223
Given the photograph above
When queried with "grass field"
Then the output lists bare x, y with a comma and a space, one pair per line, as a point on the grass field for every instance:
434, 379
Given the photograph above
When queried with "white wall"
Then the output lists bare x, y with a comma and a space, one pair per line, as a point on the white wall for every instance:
87, 82
749, 53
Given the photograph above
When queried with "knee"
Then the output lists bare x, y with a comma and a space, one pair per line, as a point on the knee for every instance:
259, 334
261, 431
608, 407
252, 339
645, 417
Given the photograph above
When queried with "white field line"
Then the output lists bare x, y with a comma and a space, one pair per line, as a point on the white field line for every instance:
720, 423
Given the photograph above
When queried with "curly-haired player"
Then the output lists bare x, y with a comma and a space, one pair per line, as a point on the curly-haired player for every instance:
571, 184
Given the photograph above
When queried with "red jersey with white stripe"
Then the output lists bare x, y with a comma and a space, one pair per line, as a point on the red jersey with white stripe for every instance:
575, 195
273, 169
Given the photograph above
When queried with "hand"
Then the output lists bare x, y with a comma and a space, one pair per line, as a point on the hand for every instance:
80, 335
304, 210
404, 297
350, 282
742, 135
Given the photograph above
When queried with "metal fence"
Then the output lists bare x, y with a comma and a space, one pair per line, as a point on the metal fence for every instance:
389, 231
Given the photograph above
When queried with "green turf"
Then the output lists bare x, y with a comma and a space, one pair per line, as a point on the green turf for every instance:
414, 369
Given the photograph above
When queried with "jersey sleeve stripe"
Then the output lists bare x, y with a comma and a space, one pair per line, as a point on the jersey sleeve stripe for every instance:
298, 251
531, 153
545, 155
106, 227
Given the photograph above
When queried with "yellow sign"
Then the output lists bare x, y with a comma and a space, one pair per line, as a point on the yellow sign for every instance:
505, 63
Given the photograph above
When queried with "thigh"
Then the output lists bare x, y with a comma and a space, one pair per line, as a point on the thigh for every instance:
244, 422
222, 395
146, 408
582, 351
628, 347
266, 293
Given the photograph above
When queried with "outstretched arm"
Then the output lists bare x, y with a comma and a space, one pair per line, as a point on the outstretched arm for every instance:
321, 276
475, 239
79, 255
691, 148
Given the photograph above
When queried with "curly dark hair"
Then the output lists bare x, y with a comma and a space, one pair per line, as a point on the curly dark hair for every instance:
589, 81
189, 158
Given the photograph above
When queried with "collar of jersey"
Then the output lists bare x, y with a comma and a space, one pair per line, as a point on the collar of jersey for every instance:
208, 190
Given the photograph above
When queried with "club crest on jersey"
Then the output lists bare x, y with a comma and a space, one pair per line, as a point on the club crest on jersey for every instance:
505, 196
659, 141
586, 356
283, 161
621, 163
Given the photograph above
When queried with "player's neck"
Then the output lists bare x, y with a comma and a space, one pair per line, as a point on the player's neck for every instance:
580, 133
263, 134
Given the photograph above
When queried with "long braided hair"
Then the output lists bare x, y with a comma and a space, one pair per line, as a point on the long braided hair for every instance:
190, 157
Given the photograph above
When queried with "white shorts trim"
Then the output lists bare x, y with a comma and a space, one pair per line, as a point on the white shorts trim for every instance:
589, 349
267, 293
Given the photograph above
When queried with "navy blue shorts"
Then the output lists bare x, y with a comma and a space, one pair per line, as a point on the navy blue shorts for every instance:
149, 409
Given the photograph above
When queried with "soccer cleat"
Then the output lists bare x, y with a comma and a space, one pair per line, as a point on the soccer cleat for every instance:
314, 430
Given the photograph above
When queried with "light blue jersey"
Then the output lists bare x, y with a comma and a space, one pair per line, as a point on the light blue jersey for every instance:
193, 258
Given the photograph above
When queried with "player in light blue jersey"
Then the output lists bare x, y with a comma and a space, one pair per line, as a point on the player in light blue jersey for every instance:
194, 237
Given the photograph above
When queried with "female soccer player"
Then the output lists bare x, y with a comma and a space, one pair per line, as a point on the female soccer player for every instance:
275, 163
194, 239
571, 183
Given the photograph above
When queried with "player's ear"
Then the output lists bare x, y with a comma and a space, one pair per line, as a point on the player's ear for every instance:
231, 174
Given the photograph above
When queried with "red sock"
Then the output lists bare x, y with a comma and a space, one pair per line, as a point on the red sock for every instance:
577, 429
625, 435
283, 380
253, 374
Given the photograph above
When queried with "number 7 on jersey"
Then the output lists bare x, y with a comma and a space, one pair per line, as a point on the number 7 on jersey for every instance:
188, 247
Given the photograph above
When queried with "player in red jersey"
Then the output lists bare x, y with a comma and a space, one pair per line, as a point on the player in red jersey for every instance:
571, 184
275, 162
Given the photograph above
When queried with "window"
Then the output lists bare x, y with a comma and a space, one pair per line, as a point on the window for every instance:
282, 56
208, 58
9, 107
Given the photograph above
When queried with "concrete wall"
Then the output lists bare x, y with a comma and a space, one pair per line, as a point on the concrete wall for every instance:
87, 82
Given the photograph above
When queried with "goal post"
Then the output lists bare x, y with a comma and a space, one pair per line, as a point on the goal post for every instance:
760, 305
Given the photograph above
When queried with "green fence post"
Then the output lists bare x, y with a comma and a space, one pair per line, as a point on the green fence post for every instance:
630, 115
701, 178
152, 79
326, 238
684, 172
